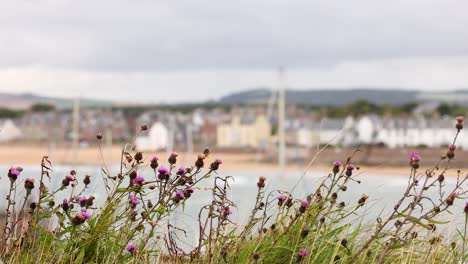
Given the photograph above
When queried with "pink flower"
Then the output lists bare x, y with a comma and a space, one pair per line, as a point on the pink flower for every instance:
154, 159
163, 170
219, 161
139, 180
15, 172
180, 195
131, 248
413, 156
460, 119
85, 215
226, 211
350, 167
133, 199
282, 197
452, 147
82, 199
189, 189
303, 253
337, 163
70, 178
304, 203
181, 171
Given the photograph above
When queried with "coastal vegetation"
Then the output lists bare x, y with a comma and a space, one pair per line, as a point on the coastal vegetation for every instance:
133, 224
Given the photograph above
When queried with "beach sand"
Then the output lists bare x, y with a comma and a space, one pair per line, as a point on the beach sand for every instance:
378, 162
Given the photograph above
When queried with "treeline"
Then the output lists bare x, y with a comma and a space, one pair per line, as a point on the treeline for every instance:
12, 113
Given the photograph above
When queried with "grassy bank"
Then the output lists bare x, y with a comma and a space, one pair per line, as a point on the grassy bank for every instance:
134, 224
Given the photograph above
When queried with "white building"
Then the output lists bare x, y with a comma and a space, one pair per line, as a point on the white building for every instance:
326, 131
157, 138
9, 131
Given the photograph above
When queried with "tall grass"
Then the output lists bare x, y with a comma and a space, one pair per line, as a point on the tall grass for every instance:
134, 223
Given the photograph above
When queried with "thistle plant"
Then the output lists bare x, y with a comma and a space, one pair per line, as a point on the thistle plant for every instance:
133, 223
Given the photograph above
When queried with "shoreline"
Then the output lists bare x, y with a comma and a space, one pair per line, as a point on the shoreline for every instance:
22, 155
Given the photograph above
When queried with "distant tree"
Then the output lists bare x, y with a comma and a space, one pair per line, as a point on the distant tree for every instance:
42, 107
9, 113
451, 109
362, 106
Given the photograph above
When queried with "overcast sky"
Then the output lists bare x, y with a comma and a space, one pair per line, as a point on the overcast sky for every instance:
180, 50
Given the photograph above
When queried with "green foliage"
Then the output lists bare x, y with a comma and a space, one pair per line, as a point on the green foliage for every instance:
42, 107
9, 113
320, 227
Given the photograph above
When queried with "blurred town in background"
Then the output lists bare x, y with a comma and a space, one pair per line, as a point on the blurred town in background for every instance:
381, 123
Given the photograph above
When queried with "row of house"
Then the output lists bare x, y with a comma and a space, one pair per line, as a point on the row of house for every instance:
390, 132
240, 128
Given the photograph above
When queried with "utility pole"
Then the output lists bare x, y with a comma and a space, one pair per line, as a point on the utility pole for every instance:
281, 121
76, 130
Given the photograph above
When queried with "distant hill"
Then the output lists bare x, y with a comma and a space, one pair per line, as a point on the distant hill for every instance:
346, 96
24, 101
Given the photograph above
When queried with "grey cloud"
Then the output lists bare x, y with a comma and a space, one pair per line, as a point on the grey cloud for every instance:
178, 35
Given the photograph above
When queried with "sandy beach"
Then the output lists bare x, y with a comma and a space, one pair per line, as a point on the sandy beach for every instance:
381, 161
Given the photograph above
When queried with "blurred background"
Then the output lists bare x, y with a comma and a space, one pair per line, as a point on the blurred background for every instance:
261, 83
265, 85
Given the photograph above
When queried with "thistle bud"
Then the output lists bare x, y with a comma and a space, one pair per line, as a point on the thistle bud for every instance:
215, 165
261, 182
173, 158
87, 180
281, 199
154, 162
304, 205
349, 170
28, 185
363, 199
459, 125
13, 174
451, 199
336, 167
414, 160
200, 163
302, 254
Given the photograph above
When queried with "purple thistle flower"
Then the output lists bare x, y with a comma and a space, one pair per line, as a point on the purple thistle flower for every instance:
65, 202
15, 172
350, 167
139, 180
70, 178
413, 156
337, 163
304, 203
226, 211
219, 161
181, 171
131, 248
82, 199
189, 189
452, 147
460, 119
154, 159
282, 197
303, 253
163, 170
133, 199
85, 215
180, 195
